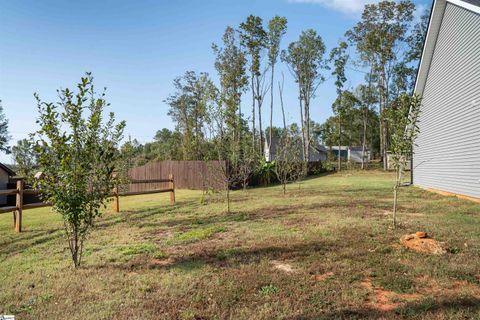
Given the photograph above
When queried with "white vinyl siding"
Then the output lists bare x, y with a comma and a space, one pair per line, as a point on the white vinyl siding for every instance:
447, 155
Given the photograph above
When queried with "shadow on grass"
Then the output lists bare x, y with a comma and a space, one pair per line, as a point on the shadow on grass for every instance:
339, 206
418, 310
263, 213
18, 243
226, 258
29, 239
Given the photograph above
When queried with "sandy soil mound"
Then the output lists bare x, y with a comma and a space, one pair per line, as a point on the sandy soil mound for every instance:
421, 242
282, 266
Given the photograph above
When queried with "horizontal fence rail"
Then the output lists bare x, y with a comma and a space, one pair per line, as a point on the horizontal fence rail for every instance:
171, 189
19, 193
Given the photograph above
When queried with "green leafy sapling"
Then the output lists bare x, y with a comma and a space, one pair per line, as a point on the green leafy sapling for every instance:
402, 119
76, 152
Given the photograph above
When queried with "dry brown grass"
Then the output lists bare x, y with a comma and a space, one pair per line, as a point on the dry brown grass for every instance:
324, 251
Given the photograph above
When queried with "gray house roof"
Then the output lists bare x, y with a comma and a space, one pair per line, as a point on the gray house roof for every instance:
436, 18
316, 152
474, 2
9, 171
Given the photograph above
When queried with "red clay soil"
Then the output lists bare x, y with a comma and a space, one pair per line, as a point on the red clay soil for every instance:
322, 277
455, 288
421, 242
383, 300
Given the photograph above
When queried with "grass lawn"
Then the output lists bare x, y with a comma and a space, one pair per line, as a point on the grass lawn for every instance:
323, 251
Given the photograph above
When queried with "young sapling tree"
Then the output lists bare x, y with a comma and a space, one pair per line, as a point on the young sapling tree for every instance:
289, 165
76, 151
402, 119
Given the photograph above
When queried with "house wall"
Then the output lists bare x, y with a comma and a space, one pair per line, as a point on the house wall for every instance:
356, 156
343, 153
318, 156
447, 155
3, 185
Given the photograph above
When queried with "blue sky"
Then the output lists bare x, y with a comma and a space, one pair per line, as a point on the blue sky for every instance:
137, 48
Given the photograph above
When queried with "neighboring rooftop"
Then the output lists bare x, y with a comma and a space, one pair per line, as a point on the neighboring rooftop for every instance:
474, 2
7, 169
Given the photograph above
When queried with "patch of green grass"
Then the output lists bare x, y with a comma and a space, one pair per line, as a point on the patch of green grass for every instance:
195, 234
142, 248
396, 282
268, 289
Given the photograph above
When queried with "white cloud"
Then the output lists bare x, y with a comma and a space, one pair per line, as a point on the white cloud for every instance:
420, 10
345, 6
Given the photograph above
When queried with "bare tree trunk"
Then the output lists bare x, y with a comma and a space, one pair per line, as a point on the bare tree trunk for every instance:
339, 144
228, 198
259, 107
239, 127
260, 129
365, 119
395, 196
271, 108
253, 116
381, 132
303, 129
307, 129
385, 147
364, 137
74, 249
280, 89
383, 129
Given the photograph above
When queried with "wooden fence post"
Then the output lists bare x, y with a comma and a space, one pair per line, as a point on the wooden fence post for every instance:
116, 202
14, 218
172, 189
19, 205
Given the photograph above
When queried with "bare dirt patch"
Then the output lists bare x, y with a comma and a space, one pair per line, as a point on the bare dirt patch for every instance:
384, 300
162, 262
322, 277
282, 266
455, 288
421, 242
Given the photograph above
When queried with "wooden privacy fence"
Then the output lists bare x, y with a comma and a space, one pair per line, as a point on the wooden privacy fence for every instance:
19, 192
196, 175
171, 189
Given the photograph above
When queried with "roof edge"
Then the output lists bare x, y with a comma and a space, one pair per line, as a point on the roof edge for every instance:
7, 169
436, 17
466, 5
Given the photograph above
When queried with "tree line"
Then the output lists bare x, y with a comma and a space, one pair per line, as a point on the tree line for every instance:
385, 45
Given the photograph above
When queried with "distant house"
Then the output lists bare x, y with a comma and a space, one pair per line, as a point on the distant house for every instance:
5, 174
317, 153
447, 152
352, 154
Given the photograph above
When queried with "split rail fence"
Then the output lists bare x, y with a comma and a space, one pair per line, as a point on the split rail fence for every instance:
19, 192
